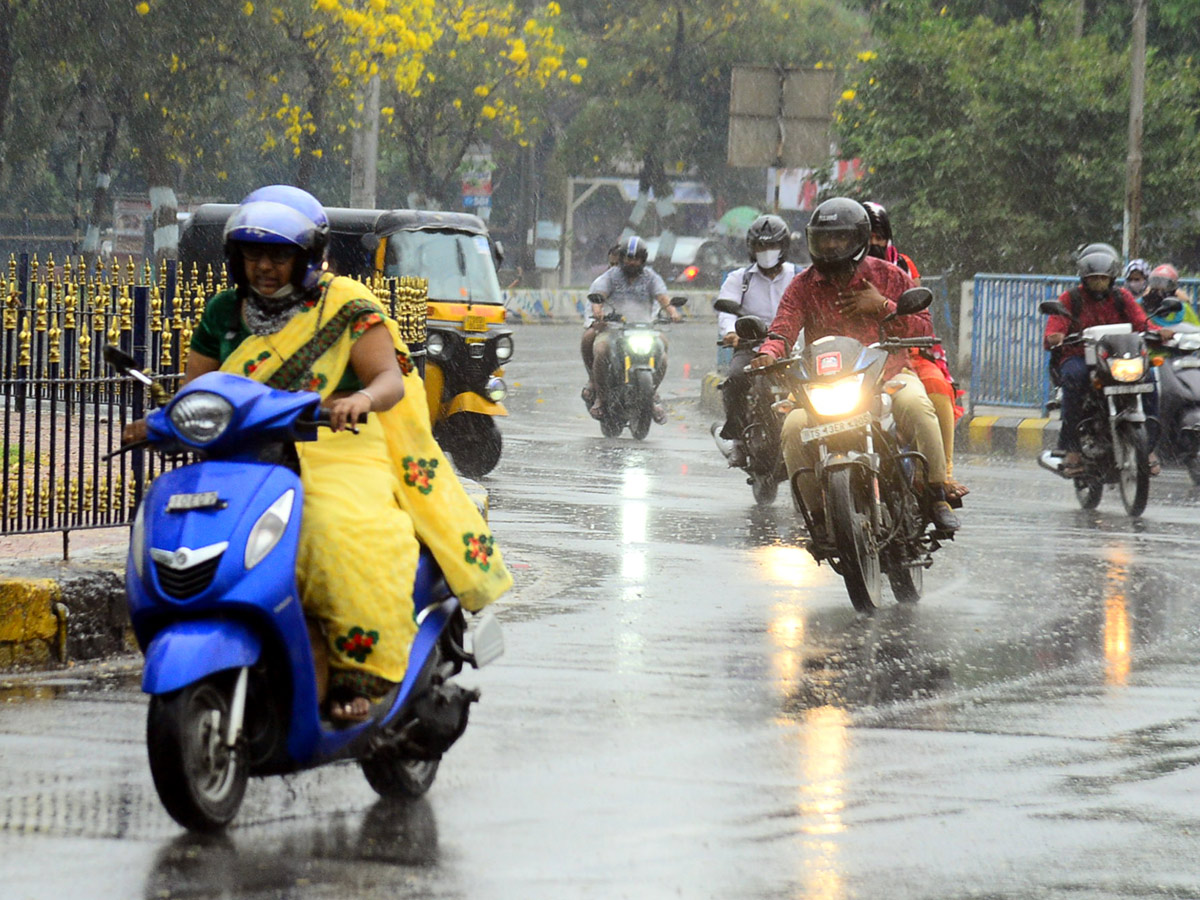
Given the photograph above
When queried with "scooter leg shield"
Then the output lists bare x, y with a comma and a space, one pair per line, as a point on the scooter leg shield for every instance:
188, 651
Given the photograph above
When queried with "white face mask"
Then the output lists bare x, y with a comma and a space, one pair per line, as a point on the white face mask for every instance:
767, 259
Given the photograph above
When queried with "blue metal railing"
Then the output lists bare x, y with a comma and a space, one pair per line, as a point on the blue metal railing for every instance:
1008, 364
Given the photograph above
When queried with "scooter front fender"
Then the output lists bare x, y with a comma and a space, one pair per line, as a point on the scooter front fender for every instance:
185, 652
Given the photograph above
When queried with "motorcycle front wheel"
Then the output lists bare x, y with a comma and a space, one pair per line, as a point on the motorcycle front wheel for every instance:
643, 404
1132, 453
765, 488
850, 525
199, 778
1088, 492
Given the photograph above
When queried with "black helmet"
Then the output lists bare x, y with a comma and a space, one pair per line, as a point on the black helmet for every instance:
634, 248
881, 222
838, 234
768, 230
1099, 259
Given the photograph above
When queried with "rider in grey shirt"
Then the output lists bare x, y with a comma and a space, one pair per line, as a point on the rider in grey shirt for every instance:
632, 288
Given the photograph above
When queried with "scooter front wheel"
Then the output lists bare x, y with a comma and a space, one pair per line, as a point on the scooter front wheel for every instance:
397, 777
200, 779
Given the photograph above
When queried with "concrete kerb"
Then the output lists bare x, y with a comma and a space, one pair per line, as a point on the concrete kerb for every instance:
54, 613
1004, 431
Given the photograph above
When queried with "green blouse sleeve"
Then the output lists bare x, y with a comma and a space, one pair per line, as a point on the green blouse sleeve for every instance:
219, 331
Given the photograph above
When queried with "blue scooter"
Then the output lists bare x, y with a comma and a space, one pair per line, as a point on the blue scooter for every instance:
214, 604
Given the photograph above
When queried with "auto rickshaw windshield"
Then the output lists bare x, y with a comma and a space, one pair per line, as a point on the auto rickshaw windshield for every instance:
458, 266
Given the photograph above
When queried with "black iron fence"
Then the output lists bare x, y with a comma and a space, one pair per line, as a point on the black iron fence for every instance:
63, 409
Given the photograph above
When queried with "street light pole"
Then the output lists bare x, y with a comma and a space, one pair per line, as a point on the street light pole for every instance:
1130, 240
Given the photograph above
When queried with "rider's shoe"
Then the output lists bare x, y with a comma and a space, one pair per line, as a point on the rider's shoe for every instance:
940, 511
657, 412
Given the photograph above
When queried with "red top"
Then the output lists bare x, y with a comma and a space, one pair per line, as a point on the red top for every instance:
811, 302
1113, 310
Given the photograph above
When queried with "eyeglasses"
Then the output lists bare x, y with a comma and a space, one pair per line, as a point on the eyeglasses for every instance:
276, 253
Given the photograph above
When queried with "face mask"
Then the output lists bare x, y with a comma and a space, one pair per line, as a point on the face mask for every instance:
1135, 285
767, 259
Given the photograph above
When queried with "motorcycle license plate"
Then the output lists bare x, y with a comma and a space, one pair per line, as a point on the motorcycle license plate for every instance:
182, 502
1127, 389
474, 323
820, 431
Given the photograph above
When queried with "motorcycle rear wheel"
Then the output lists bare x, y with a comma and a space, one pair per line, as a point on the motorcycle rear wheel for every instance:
1133, 464
850, 524
397, 777
199, 779
643, 404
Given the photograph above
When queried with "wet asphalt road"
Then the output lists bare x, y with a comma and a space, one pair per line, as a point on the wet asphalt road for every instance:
690, 708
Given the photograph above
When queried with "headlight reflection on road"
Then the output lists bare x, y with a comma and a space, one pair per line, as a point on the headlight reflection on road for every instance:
635, 514
1117, 628
785, 566
786, 630
824, 743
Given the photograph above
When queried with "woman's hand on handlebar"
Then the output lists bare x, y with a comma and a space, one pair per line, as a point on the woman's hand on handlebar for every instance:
134, 432
348, 410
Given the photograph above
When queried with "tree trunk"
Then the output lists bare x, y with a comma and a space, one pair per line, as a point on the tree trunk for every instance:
100, 201
8, 21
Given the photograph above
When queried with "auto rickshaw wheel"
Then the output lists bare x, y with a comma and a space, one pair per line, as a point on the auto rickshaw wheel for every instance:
473, 442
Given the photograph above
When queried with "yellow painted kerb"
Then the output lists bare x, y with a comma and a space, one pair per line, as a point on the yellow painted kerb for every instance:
979, 433
27, 609
1029, 434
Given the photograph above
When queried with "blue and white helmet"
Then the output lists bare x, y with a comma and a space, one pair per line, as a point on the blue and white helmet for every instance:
280, 214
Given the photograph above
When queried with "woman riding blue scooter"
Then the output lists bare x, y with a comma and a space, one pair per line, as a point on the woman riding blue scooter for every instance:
370, 498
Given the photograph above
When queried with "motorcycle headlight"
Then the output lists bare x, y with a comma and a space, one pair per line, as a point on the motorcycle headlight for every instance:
435, 345
504, 347
1127, 369
641, 343
835, 398
269, 529
201, 417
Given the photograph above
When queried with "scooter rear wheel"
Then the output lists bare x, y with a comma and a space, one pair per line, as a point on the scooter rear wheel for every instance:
396, 777
200, 780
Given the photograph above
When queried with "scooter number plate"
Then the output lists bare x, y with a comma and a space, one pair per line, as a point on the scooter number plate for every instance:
474, 323
819, 431
1127, 389
182, 502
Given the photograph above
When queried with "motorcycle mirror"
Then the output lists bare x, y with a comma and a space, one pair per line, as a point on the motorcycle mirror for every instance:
1169, 305
1052, 308
595, 298
119, 359
913, 301
679, 301
728, 306
750, 328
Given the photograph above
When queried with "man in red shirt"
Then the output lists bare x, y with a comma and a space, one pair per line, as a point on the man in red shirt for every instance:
846, 292
1094, 301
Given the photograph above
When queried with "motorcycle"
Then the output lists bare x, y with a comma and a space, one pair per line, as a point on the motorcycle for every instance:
872, 519
211, 585
1114, 433
626, 383
764, 466
1179, 397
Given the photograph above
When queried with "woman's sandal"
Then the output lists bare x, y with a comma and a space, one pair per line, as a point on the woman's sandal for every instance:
351, 694
1155, 465
956, 491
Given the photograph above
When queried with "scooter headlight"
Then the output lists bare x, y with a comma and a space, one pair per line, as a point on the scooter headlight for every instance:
1127, 369
641, 343
269, 529
504, 347
835, 398
435, 345
497, 390
201, 416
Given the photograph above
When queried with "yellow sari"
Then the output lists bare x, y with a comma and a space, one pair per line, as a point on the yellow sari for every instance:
371, 497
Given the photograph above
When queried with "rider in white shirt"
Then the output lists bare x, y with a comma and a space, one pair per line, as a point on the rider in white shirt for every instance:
758, 287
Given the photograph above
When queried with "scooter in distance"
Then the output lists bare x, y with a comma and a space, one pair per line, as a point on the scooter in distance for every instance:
760, 438
1179, 396
213, 599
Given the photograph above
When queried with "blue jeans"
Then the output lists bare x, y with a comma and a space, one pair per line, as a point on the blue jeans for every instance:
1073, 373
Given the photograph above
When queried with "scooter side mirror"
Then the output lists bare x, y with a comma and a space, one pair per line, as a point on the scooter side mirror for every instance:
679, 301
732, 307
1052, 308
119, 359
595, 298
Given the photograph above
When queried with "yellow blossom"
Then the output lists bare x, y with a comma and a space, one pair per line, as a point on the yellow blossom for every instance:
248, 8
142, 8
488, 112
848, 94
867, 56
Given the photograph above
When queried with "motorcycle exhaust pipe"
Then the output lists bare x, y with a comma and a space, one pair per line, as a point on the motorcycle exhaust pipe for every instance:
1047, 460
